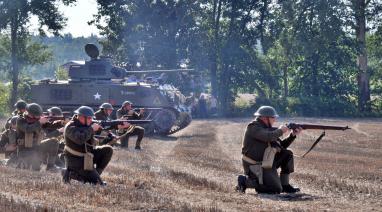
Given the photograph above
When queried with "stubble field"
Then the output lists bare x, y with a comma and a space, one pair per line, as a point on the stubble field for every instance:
195, 170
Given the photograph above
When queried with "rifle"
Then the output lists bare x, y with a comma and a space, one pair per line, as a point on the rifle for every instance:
294, 126
56, 118
110, 138
112, 124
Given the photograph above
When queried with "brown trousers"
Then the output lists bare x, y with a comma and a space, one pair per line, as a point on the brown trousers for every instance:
138, 131
271, 179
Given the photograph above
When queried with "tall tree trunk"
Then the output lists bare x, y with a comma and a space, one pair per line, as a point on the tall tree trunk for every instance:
285, 79
363, 76
14, 59
215, 46
314, 68
225, 92
261, 28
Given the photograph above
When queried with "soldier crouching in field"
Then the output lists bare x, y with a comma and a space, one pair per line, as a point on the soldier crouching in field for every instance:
31, 149
264, 152
127, 112
104, 114
20, 107
81, 152
8, 144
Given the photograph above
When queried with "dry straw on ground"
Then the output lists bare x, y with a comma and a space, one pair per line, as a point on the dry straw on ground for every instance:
195, 170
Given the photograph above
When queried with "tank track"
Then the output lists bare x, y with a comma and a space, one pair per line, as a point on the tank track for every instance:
182, 125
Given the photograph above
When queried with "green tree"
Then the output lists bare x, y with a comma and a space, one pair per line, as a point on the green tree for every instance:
15, 16
365, 14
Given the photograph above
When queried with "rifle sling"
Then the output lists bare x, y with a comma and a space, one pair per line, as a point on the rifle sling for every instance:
314, 144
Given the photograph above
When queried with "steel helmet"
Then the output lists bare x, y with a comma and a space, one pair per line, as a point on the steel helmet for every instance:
266, 111
85, 111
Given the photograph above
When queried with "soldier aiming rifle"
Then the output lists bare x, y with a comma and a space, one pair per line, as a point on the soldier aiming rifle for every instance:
127, 112
263, 152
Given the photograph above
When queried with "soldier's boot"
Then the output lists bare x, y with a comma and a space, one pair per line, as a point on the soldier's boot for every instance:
50, 166
65, 173
68, 174
140, 134
241, 184
287, 188
124, 141
53, 168
60, 160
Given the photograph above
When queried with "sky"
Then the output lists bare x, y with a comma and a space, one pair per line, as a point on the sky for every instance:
78, 15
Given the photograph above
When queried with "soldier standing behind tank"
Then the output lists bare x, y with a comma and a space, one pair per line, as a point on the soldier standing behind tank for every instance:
31, 149
81, 152
263, 153
127, 112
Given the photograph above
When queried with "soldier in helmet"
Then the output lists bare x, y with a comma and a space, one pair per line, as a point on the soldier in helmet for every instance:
32, 149
103, 114
54, 128
264, 152
127, 112
20, 107
81, 153
8, 143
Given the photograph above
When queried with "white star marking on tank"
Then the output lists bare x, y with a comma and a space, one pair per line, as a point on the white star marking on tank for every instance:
97, 96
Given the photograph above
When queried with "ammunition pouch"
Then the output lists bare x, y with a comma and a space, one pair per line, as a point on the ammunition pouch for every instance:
258, 171
255, 168
28, 140
88, 161
12, 137
269, 156
31, 138
88, 158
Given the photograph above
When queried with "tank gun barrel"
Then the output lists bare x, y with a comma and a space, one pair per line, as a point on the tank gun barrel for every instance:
159, 71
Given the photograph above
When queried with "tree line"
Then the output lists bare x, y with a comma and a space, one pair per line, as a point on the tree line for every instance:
309, 57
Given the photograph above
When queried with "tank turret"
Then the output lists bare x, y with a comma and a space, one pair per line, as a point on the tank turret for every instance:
98, 68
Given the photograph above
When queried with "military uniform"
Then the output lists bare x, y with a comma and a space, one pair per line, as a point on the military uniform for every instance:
132, 130
257, 137
109, 137
80, 149
263, 153
8, 142
8, 138
52, 130
20, 108
32, 150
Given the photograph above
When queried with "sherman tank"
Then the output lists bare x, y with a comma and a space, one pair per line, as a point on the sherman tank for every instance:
97, 81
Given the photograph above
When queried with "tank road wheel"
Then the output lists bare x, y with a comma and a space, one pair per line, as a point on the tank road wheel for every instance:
163, 121
149, 128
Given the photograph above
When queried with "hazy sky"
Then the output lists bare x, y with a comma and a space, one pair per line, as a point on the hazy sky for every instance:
78, 16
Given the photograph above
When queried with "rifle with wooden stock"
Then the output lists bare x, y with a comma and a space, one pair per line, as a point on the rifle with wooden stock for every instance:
113, 124
294, 126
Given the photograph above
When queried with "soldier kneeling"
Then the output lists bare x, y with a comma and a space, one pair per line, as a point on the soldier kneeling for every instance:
263, 153
127, 112
31, 149
81, 152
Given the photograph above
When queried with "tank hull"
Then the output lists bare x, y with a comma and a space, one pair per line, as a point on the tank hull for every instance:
69, 96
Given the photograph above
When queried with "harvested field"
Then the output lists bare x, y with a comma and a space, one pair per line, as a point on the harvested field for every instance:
196, 169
